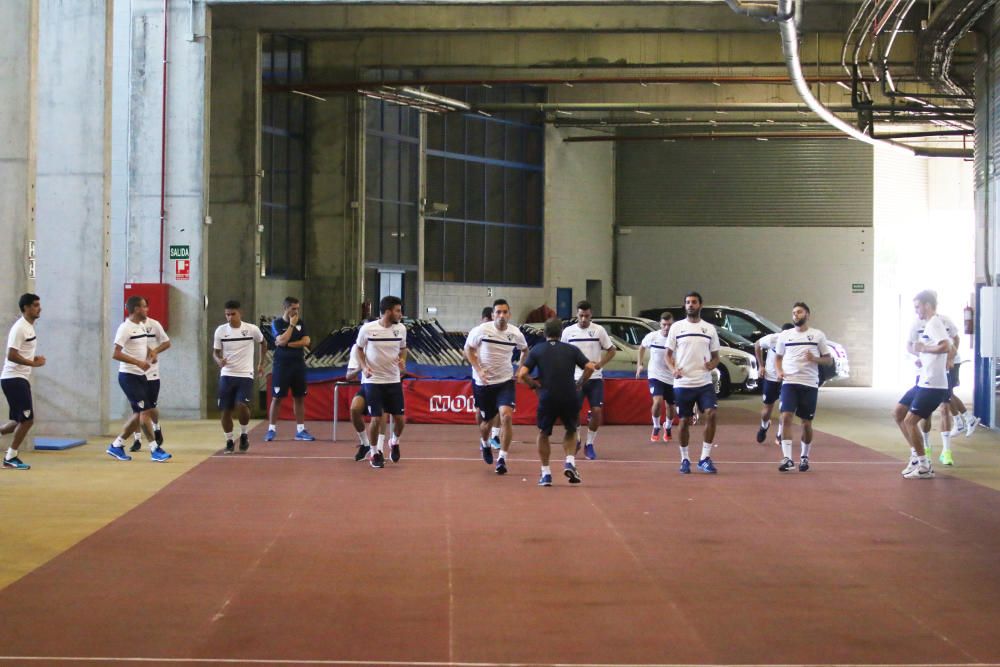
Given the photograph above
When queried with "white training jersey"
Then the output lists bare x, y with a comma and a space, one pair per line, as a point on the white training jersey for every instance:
22, 339
134, 341
382, 347
496, 351
237, 347
949, 326
792, 347
693, 344
353, 360
933, 367
657, 368
592, 341
157, 336
768, 343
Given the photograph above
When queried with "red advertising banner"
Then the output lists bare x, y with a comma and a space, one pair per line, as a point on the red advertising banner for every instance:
451, 402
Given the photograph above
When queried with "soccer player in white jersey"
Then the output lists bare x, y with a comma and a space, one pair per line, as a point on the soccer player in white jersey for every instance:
359, 405
158, 343
659, 377
232, 349
490, 349
935, 349
14, 380
594, 342
692, 354
798, 355
132, 350
382, 355
487, 316
772, 385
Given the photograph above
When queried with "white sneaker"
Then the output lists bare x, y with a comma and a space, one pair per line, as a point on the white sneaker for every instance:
910, 467
958, 427
921, 472
970, 426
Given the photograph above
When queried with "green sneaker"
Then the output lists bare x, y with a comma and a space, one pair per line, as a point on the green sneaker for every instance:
16, 464
946, 459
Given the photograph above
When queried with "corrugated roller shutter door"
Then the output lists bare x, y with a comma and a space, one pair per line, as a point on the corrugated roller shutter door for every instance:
820, 183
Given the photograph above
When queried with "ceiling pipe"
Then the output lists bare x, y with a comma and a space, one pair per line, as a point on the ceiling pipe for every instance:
651, 106
757, 10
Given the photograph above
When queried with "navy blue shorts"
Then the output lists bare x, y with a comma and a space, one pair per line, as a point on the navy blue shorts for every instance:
18, 394
153, 392
384, 398
907, 398
551, 409
492, 396
661, 388
686, 397
928, 400
772, 389
799, 399
953, 378
593, 392
136, 389
234, 391
285, 378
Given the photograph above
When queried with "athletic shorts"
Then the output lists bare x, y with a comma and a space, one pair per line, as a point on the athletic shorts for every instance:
772, 390
18, 394
593, 392
928, 400
799, 399
382, 398
234, 391
661, 388
686, 397
907, 398
136, 388
489, 398
551, 409
953, 378
153, 391
285, 378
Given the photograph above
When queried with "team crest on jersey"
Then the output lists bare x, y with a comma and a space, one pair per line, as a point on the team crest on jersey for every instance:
277, 389
245, 332
27, 414
298, 327
510, 336
809, 337
591, 334
141, 404
704, 330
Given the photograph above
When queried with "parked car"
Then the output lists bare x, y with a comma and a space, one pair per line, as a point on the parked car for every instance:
752, 326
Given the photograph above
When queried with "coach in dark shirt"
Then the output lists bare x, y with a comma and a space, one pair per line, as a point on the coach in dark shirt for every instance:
557, 395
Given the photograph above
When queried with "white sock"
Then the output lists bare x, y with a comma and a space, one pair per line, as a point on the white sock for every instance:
363, 437
502, 456
393, 439
483, 444
684, 454
156, 426
272, 427
591, 436
11, 454
779, 433
913, 454
380, 443
805, 448
244, 429
706, 450
571, 460
137, 436
495, 432
924, 462
765, 424
299, 428
786, 448
229, 436
927, 438
945, 442
656, 421
546, 470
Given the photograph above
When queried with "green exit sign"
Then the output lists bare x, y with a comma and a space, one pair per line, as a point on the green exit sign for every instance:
857, 288
180, 252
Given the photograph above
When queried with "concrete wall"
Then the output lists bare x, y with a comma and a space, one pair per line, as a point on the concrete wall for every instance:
763, 269
459, 305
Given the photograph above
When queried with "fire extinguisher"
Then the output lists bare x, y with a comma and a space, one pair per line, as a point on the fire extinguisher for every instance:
967, 316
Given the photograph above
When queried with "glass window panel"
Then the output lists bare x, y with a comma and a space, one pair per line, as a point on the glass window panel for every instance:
533, 258
494, 255
266, 102
515, 196
515, 144
454, 247
475, 242
390, 118
408, 235
477, 136
373, 166
475, 185
409, 122
279, 111
434, 250
296, 242
513, 269
408, 172
297, 64
278, 243
373, 114
435, 181
373, 231
455, 130
390, 170
435, 131
297, 114
390, 234
533, 199
494, 193
454, 171
495, 140
279, 187
533, 147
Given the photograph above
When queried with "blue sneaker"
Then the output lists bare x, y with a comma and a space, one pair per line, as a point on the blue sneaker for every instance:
589, 452
495, 442
501, 468
270, 435
706, 465
571, 474
487, 453
545, 480
17, 464
118, 453
304, 435
159, 455
685, 467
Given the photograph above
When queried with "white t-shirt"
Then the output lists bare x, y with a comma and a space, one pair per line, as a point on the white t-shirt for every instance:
949, 326
693, 344
767, 343
933, 367
792, 346
496, 351
382, 347
22, 339
657, 368
592, 341
237, 347
157, 336
134, 340
353, 361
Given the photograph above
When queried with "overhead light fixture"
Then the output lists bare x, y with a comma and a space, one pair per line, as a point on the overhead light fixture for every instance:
761, 138
567, 84
644, 113
483, 113
844, 86
716, 83
564, 113
415, 98
309, 95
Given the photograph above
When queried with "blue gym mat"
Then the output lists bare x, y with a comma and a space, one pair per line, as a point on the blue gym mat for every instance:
57, 444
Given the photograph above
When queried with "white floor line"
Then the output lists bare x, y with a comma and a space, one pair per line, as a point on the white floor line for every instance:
281, 457
399, 663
